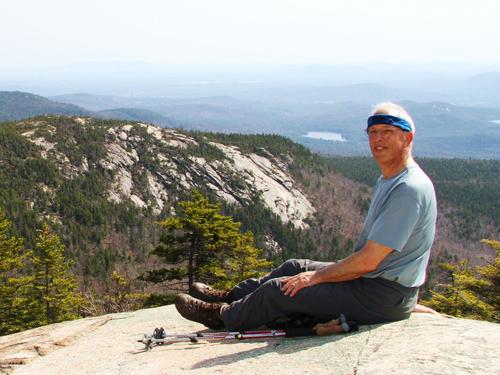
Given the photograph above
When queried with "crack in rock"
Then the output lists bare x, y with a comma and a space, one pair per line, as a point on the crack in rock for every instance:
355, 369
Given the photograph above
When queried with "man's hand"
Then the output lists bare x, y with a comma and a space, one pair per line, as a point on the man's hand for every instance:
355, 265
291, 285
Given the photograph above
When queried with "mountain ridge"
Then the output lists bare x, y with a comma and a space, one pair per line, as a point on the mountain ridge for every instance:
15, 105
102, 184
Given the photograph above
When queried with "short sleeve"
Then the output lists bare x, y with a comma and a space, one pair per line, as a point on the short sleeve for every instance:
396, 221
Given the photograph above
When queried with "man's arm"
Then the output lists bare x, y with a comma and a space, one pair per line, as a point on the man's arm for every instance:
354, 266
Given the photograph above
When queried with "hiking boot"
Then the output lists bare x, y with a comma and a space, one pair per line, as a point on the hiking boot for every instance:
208, 294
199, 311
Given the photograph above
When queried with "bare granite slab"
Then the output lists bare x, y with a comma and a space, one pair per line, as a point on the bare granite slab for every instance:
423, 344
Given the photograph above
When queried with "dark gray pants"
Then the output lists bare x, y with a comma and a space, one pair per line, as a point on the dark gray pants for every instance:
366, 301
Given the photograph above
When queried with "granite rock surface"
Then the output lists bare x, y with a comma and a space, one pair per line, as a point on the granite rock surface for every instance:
423, 344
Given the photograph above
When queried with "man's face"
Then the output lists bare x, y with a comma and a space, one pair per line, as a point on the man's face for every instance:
388, 143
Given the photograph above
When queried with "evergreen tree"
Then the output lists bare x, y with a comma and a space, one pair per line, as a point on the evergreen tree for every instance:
241, 263
205, 244
471, 293
54, 290
457, 298
491, 274
14, 311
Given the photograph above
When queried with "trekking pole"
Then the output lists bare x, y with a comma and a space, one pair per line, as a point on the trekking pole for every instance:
160, 337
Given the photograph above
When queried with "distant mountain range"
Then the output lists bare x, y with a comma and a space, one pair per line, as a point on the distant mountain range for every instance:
454, 83
443, 129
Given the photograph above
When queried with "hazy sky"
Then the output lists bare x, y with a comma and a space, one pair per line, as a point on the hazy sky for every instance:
59, 32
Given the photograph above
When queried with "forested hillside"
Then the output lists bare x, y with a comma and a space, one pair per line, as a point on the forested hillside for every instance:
103, 185
15, 105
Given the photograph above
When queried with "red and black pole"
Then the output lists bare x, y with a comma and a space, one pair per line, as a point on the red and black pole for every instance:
336, 326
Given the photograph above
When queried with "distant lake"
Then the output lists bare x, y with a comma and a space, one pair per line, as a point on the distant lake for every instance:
327, 136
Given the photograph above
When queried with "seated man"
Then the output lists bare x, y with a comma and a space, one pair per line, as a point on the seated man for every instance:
377, 283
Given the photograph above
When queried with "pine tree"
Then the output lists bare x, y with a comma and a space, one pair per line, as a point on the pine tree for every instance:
491, 275
204, 243
14, 311
457, 298
470, 293
241, 263
54, 290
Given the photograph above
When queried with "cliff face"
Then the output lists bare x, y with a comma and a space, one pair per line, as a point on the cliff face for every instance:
102, 185
147, 164
423, 344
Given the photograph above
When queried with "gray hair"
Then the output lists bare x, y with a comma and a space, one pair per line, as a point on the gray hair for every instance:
393, 109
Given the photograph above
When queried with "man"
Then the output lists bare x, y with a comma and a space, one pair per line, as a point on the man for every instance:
377, 283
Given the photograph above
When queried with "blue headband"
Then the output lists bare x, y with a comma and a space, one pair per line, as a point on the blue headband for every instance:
389, 120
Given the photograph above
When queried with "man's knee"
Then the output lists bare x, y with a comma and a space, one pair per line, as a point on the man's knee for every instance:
292, 266
271, 287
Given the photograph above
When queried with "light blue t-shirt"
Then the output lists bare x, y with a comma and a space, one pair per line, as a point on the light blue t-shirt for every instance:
402, 216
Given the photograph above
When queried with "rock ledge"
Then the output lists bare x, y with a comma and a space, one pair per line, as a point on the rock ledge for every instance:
423, 344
